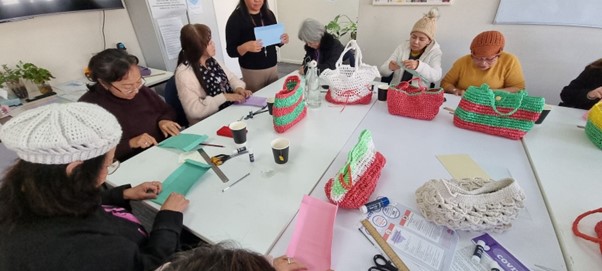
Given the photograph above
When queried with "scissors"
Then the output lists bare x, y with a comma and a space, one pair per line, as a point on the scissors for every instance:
382, 264
252, 114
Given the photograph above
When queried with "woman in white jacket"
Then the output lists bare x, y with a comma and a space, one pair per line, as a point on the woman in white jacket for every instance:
204, 85
421, 55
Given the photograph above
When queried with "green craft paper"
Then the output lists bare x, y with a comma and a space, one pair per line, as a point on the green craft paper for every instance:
182, 179
183, 142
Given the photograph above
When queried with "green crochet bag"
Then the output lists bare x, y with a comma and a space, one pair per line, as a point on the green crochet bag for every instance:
289, 107
593, 128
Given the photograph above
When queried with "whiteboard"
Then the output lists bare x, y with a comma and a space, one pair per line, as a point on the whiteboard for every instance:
585, 13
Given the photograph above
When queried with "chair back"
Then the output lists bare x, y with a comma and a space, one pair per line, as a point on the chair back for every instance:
171, 98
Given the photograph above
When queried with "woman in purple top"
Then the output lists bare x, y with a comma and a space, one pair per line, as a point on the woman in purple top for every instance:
119, 88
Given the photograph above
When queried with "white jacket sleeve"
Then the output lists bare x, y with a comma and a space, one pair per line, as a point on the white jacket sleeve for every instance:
235, 82
195, 101
396, 56
430, 68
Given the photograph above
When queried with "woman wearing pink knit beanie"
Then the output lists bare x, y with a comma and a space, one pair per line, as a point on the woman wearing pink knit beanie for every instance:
418, 57
487, 63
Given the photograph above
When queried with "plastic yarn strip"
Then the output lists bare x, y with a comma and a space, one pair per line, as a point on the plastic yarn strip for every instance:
506, 122
360, 156
497, 131
289, 107
287, 116
414, 102
594, 133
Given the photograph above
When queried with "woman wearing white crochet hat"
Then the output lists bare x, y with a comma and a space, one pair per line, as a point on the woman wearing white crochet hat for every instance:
421, 55
53, 215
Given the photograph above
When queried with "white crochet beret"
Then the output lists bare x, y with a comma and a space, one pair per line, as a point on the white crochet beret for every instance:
61, 133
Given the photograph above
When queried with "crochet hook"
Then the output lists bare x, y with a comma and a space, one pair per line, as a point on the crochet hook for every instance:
237, 181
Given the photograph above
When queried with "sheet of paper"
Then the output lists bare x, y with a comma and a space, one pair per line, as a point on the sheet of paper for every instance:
167, 8
462, 166
270, 34
312, 239
170, 33
254, 101
182, 179
183, 142
195, 6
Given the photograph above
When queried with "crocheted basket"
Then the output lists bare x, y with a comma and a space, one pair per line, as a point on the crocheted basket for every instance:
498, 112
597, 228
472, 204
414, 102
355, 182
289, 108
593, 128
350, 85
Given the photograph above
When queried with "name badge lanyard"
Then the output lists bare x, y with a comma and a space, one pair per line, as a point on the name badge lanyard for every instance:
265, 49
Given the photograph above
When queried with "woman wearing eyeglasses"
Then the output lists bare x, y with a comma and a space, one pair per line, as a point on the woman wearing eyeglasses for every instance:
487, 63
53, 214
119, 88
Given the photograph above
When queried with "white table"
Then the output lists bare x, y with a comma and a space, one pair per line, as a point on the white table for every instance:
410, 147
568, 168
255, 211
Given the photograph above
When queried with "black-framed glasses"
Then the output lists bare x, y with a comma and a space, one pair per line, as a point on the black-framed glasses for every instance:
113, 167
488, 60
131, 87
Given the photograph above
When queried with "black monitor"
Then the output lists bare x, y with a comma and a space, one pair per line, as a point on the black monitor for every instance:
11, 10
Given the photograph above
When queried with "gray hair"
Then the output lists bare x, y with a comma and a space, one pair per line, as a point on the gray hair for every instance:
311, 30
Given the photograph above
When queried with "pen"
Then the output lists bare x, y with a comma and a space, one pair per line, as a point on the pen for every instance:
212, 145
581, 126
237, 181
152, 75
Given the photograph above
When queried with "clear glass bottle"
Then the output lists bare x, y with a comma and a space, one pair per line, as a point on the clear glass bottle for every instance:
313, 98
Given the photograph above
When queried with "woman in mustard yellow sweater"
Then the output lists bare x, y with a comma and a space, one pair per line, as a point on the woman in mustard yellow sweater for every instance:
487, 63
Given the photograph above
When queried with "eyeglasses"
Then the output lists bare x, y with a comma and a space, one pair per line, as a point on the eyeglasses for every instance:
487, 60
113, 167
131, 87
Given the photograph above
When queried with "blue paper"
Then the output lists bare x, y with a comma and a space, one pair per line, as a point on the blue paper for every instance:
270, 34
183, 142
182, 179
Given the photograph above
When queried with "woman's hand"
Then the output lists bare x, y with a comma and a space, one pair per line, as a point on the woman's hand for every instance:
142, 141
146, 190
595, 94
234, 97
284, 38
169, 127
302, 70
253, 46
244, 92
393, 66
410, 64
456, 91
175, 202
284, 263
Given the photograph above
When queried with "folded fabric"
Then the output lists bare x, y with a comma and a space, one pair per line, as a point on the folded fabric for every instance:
183, 142
182, 179
289, 108
254, 101
355, 182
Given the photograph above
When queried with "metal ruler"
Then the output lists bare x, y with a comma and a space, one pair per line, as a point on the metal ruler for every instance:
217, 171
384, 246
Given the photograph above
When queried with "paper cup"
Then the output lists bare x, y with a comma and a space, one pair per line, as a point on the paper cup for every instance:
280, 149
239, 132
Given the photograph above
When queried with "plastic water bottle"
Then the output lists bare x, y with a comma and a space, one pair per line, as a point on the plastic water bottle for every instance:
312, 85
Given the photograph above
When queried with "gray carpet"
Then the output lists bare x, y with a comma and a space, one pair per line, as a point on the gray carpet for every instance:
286, 68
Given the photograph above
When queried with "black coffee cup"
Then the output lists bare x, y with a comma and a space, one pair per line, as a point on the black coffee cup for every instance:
239, 132
280, 147
542, 116
382, 92
270, 102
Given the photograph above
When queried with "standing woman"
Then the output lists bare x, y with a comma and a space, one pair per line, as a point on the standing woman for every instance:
204, 84
257, 63
53, 215
420, 55
585, 90
119, 88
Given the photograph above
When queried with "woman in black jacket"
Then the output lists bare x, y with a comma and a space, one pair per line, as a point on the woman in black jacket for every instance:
319, 45
585, 90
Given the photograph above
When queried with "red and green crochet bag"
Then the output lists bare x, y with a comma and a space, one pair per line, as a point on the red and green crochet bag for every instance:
498, 112
416, 102
289, 108
593, 128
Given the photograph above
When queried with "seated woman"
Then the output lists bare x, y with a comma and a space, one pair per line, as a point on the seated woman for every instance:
53, 214
320, 46
420, 55
222, 257
204, 84
585, 90
487, 63
119, 88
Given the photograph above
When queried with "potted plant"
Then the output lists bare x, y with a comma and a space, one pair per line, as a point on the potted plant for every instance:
11, 77
341, 25
37, 75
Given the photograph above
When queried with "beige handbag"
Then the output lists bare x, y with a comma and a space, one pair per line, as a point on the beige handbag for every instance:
473, 204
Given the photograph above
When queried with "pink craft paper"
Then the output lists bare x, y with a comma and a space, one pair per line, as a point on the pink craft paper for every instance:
312, 239
254, 101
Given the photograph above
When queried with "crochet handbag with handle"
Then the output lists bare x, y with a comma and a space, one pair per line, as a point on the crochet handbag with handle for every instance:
350, 85
411, 101
355, 182
289, 108
593, 128
498, 112
473, 204
597, 228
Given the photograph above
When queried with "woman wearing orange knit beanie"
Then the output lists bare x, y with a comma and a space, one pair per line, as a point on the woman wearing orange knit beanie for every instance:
487, 63
421, 55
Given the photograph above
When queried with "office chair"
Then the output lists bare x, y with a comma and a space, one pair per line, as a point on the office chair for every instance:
171, 98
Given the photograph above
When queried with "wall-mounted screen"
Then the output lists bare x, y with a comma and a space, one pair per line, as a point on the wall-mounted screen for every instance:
11, 10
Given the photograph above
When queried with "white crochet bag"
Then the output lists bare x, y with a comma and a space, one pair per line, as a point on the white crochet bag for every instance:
473, 204
350, 85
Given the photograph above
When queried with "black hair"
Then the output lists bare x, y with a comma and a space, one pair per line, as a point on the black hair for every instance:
194, 39
596, 64
110, 65
218, 257
264, 11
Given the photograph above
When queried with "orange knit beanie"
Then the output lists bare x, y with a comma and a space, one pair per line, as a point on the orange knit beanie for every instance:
488, 43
